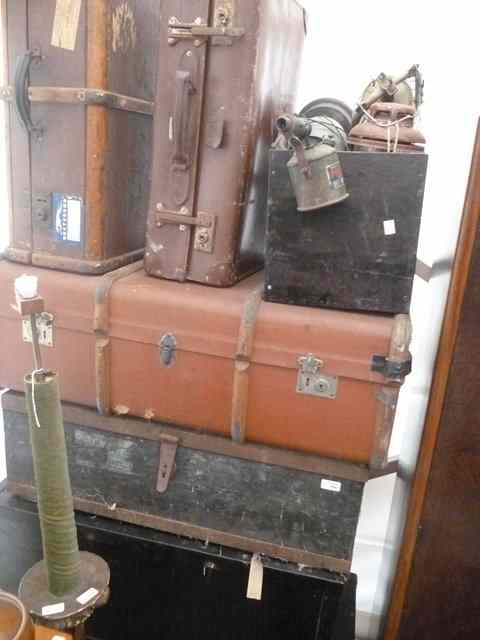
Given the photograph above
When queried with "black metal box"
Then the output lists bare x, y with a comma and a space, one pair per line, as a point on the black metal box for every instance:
164, 586
359, 254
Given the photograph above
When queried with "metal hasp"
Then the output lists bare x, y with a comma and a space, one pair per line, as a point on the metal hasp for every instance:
63, 590
166, 466
168, 346
221, 33
312, 382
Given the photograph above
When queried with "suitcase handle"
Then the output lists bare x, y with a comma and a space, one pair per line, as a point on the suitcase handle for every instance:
22, 100
184, 92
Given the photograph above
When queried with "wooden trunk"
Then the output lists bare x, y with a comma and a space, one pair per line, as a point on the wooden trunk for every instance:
217, 360
174, 588
166, 479
359, 254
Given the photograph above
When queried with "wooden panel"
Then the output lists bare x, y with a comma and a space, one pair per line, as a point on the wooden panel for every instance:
342, 257
254, 506
436, 588
172, 588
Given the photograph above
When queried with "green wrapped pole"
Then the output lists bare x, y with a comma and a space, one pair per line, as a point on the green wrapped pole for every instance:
55, 503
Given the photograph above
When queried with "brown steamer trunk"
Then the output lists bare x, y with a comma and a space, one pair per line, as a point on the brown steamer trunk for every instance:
228, 67
220, 360
82, 78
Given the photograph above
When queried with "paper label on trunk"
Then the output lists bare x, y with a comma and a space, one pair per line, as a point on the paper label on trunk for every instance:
65, 24
331, 485
53, 609
68, 212
255, 578
389, 227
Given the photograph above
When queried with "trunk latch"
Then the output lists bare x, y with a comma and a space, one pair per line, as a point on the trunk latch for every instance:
312, 382
168, 347
166, 466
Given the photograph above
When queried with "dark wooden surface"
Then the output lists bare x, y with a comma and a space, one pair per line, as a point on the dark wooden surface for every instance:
340, 257
167, 587
258, 503
435, 594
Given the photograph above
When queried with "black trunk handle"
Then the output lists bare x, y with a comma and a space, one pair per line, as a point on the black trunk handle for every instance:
22, 100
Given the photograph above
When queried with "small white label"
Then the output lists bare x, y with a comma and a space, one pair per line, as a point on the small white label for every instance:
59, 637
65, 24
255, 578
74, 233
87, 596
331, 485
53, 609
389, 227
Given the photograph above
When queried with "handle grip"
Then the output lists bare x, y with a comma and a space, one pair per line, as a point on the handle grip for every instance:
22, 100
184, 92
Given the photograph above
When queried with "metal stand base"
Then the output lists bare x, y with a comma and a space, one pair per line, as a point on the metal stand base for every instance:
73, 609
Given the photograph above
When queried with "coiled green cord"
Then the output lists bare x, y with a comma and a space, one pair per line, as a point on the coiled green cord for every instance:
55, 503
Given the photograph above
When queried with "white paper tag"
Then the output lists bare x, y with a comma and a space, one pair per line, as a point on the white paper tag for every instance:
59, 637
389, 227
65, 24
331, 485
53, 609
255, 578
87, 595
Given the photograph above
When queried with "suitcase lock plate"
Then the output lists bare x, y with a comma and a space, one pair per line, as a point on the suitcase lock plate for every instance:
312, 382
44, 329
204, 224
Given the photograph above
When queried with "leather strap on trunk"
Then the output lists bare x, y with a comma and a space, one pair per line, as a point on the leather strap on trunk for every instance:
101, 325
242, 365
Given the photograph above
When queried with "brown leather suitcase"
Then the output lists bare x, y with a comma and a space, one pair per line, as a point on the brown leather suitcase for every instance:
219, 360
227, 68
81, 84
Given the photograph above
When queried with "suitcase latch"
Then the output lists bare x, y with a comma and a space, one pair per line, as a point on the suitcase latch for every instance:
203, 222
312, 382
166, 466
222, 34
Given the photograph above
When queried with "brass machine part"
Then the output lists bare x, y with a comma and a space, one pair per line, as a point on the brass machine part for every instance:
63, 590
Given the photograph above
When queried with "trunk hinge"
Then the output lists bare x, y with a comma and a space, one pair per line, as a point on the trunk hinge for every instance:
166, 467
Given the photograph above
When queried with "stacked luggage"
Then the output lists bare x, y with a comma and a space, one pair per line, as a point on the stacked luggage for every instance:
202, 397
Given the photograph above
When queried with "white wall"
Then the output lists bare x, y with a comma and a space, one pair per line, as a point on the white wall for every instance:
348, 44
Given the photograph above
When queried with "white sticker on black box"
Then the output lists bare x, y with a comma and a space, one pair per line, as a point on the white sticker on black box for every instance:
65, 24
331, 485
389, 227
68, 212
53, 609
87, 596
